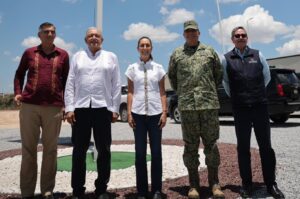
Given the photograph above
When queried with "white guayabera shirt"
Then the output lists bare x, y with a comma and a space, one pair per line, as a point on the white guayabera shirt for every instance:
153, 72
93, 80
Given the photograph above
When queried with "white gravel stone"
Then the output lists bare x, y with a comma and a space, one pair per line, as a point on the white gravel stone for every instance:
173, 167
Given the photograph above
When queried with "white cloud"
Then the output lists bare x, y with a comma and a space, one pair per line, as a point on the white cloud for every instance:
171, 2
31, 41
296, 34
164, 11
70, 1
69, 47
178, 16
17, 59
34, 41
157, 34
260, 25
289, 48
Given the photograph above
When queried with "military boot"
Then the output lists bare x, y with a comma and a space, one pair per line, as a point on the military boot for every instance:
212, 176
213, 181
193, 178
216, 191
193, 194
194, 184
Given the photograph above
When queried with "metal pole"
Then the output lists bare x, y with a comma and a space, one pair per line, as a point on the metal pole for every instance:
220, 26
99, 14
98, 21
248, 30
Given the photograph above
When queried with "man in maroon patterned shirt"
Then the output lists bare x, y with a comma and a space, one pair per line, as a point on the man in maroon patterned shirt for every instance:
41, 110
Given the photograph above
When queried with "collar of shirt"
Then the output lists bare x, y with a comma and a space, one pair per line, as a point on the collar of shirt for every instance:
242, 55
146, 65
90, 54
56, 51
192, 48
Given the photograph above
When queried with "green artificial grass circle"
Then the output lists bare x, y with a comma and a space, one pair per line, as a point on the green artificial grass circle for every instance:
119, 160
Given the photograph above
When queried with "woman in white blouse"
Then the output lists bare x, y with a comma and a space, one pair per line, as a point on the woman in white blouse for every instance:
147, 115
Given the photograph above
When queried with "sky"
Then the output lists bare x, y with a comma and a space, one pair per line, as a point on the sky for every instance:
273, 27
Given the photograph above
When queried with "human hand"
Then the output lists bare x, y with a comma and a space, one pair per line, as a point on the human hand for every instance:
115, 117
163, 120
71, 117
131, 121
18, 99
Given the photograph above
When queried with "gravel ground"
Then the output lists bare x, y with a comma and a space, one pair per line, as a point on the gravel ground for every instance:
285, 140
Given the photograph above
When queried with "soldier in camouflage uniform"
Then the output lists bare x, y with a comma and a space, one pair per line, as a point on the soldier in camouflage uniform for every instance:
195, 72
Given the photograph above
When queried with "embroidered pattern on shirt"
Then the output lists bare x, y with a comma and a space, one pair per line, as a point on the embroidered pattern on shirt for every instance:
54, 69
146, 89
36, 69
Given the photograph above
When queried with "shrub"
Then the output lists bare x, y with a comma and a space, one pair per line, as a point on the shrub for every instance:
7, 102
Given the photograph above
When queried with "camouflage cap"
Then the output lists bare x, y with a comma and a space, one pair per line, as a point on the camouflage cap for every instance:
191, 24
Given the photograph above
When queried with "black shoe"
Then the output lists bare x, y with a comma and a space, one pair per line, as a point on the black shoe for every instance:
78, 197
28, 197
246, 191
275, 192
103, 196
157, 195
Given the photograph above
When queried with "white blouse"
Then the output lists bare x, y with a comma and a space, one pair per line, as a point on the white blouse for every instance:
93, 80
146, 98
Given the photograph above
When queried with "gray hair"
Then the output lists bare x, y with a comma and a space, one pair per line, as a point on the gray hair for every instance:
235, 29
93, 28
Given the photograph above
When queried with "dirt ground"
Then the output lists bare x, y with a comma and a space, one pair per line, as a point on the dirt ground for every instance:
9, 118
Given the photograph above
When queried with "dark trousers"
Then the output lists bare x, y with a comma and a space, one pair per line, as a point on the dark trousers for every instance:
98, 119
144, 125
258, 117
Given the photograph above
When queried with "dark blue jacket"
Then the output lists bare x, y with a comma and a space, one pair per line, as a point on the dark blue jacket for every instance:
246, 79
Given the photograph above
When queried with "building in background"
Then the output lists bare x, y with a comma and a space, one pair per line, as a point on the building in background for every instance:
291, 62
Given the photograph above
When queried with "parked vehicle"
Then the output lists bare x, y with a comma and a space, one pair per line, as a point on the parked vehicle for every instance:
298, 75
282, 91
123, 105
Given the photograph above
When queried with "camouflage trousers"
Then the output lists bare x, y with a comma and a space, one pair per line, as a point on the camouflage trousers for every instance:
202, 124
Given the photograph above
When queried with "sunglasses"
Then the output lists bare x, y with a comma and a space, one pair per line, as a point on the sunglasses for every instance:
240, 35
48, 31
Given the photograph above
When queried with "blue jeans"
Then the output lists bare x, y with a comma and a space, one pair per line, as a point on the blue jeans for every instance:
147, 124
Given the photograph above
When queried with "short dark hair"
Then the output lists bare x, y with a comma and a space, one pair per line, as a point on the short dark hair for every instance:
46, 24
235, 29
145, 37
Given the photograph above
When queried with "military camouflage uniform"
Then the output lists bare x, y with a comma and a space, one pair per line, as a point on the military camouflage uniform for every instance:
194, 74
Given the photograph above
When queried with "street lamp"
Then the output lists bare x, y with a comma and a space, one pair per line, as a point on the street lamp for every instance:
220, 26
248, 29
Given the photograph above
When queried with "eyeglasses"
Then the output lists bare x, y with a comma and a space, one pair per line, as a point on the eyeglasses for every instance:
48, 31
240, 35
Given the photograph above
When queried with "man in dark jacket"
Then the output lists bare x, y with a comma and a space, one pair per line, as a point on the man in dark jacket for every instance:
246, 75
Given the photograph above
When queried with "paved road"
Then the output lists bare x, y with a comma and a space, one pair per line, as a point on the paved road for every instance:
285, 140
10, 138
